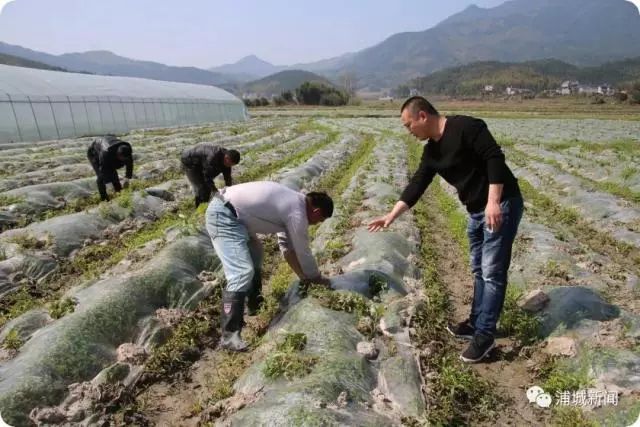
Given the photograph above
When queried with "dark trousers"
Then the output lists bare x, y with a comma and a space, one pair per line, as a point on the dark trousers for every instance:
201, 189
103, 177
490, 261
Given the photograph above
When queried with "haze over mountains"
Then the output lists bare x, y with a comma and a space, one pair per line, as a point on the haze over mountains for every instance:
580, 32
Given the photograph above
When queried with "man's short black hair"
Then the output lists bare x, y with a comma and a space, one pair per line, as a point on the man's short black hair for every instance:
419, 103
322, 201
234, 155
124, 151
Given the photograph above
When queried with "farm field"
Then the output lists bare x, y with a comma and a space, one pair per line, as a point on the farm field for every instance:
109, 312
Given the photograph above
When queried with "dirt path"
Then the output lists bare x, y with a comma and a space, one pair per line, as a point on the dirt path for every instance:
508, 372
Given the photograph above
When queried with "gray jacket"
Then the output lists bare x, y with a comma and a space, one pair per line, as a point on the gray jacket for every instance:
210, 159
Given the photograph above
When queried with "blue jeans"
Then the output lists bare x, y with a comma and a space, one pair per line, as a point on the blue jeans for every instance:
239, 254
490, 261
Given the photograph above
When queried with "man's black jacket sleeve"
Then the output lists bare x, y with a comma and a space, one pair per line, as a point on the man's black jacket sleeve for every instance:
480, 140
419, 182
226, 172
129, 166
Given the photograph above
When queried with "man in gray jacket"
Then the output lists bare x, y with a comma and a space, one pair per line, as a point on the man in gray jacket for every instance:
233, 219
203, 163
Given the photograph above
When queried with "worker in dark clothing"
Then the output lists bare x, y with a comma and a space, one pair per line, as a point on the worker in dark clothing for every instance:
203, 163
464, 153
107, 154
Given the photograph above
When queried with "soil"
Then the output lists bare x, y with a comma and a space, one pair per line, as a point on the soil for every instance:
505, 369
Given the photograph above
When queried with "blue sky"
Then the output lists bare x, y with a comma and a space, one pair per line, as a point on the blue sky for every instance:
206, 33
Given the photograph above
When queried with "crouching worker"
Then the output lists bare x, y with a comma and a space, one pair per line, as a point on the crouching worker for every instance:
107, 155
233, 219
203, 163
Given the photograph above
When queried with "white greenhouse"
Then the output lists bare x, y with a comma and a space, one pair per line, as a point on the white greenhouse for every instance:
40, 105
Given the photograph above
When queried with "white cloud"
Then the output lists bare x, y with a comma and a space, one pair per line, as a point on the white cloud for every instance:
3, 3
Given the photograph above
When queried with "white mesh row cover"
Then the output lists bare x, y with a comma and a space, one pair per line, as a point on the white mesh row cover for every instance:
41, 105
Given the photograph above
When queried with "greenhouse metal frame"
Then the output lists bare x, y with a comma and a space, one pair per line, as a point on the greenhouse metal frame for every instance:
38, 105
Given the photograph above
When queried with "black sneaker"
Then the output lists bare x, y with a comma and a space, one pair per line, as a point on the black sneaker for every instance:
463, 330
479, 348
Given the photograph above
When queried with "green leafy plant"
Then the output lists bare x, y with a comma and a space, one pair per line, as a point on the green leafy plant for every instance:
287, 361
60, 308
12, 341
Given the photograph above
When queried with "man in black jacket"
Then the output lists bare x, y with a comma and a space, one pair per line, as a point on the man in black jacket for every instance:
462, 151
107, 154
203, 163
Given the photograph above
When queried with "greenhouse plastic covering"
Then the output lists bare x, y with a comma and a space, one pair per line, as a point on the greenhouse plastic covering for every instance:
41, 105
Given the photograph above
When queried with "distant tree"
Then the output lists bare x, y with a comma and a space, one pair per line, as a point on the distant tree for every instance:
350, 83
313, 93
248, 102
263, 102
621, 96
401, 91
333, 99
278, 101
287, 96
634, 93
309, 93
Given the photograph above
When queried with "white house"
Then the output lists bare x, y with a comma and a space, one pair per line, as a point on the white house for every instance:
569, 87
587, 90
606, 90
517, 91
488, 88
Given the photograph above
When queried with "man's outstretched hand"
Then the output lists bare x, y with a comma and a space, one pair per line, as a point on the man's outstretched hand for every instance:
380, 223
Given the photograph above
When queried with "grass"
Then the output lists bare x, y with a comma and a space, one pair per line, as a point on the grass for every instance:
551, 213
559, 376
628, 172
456, 219
10, 200
347, 301
517, 323
552, 269
12, 341
61, 308
568, 416
335, 249
93, 260
555, 215
189, 335
615, 188
228, 368
287, 360
16, 303
457, 395
27, 241
186, 340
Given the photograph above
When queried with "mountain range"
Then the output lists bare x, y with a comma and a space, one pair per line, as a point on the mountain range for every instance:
539, 75
580, 32
108, 63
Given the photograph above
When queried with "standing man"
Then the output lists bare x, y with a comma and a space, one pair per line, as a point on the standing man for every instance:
462, 151
233, 219
203, 163
107, 154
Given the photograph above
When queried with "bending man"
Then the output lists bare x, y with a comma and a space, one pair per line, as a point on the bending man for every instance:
203, 163
462, 151
107, 154
233, 219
